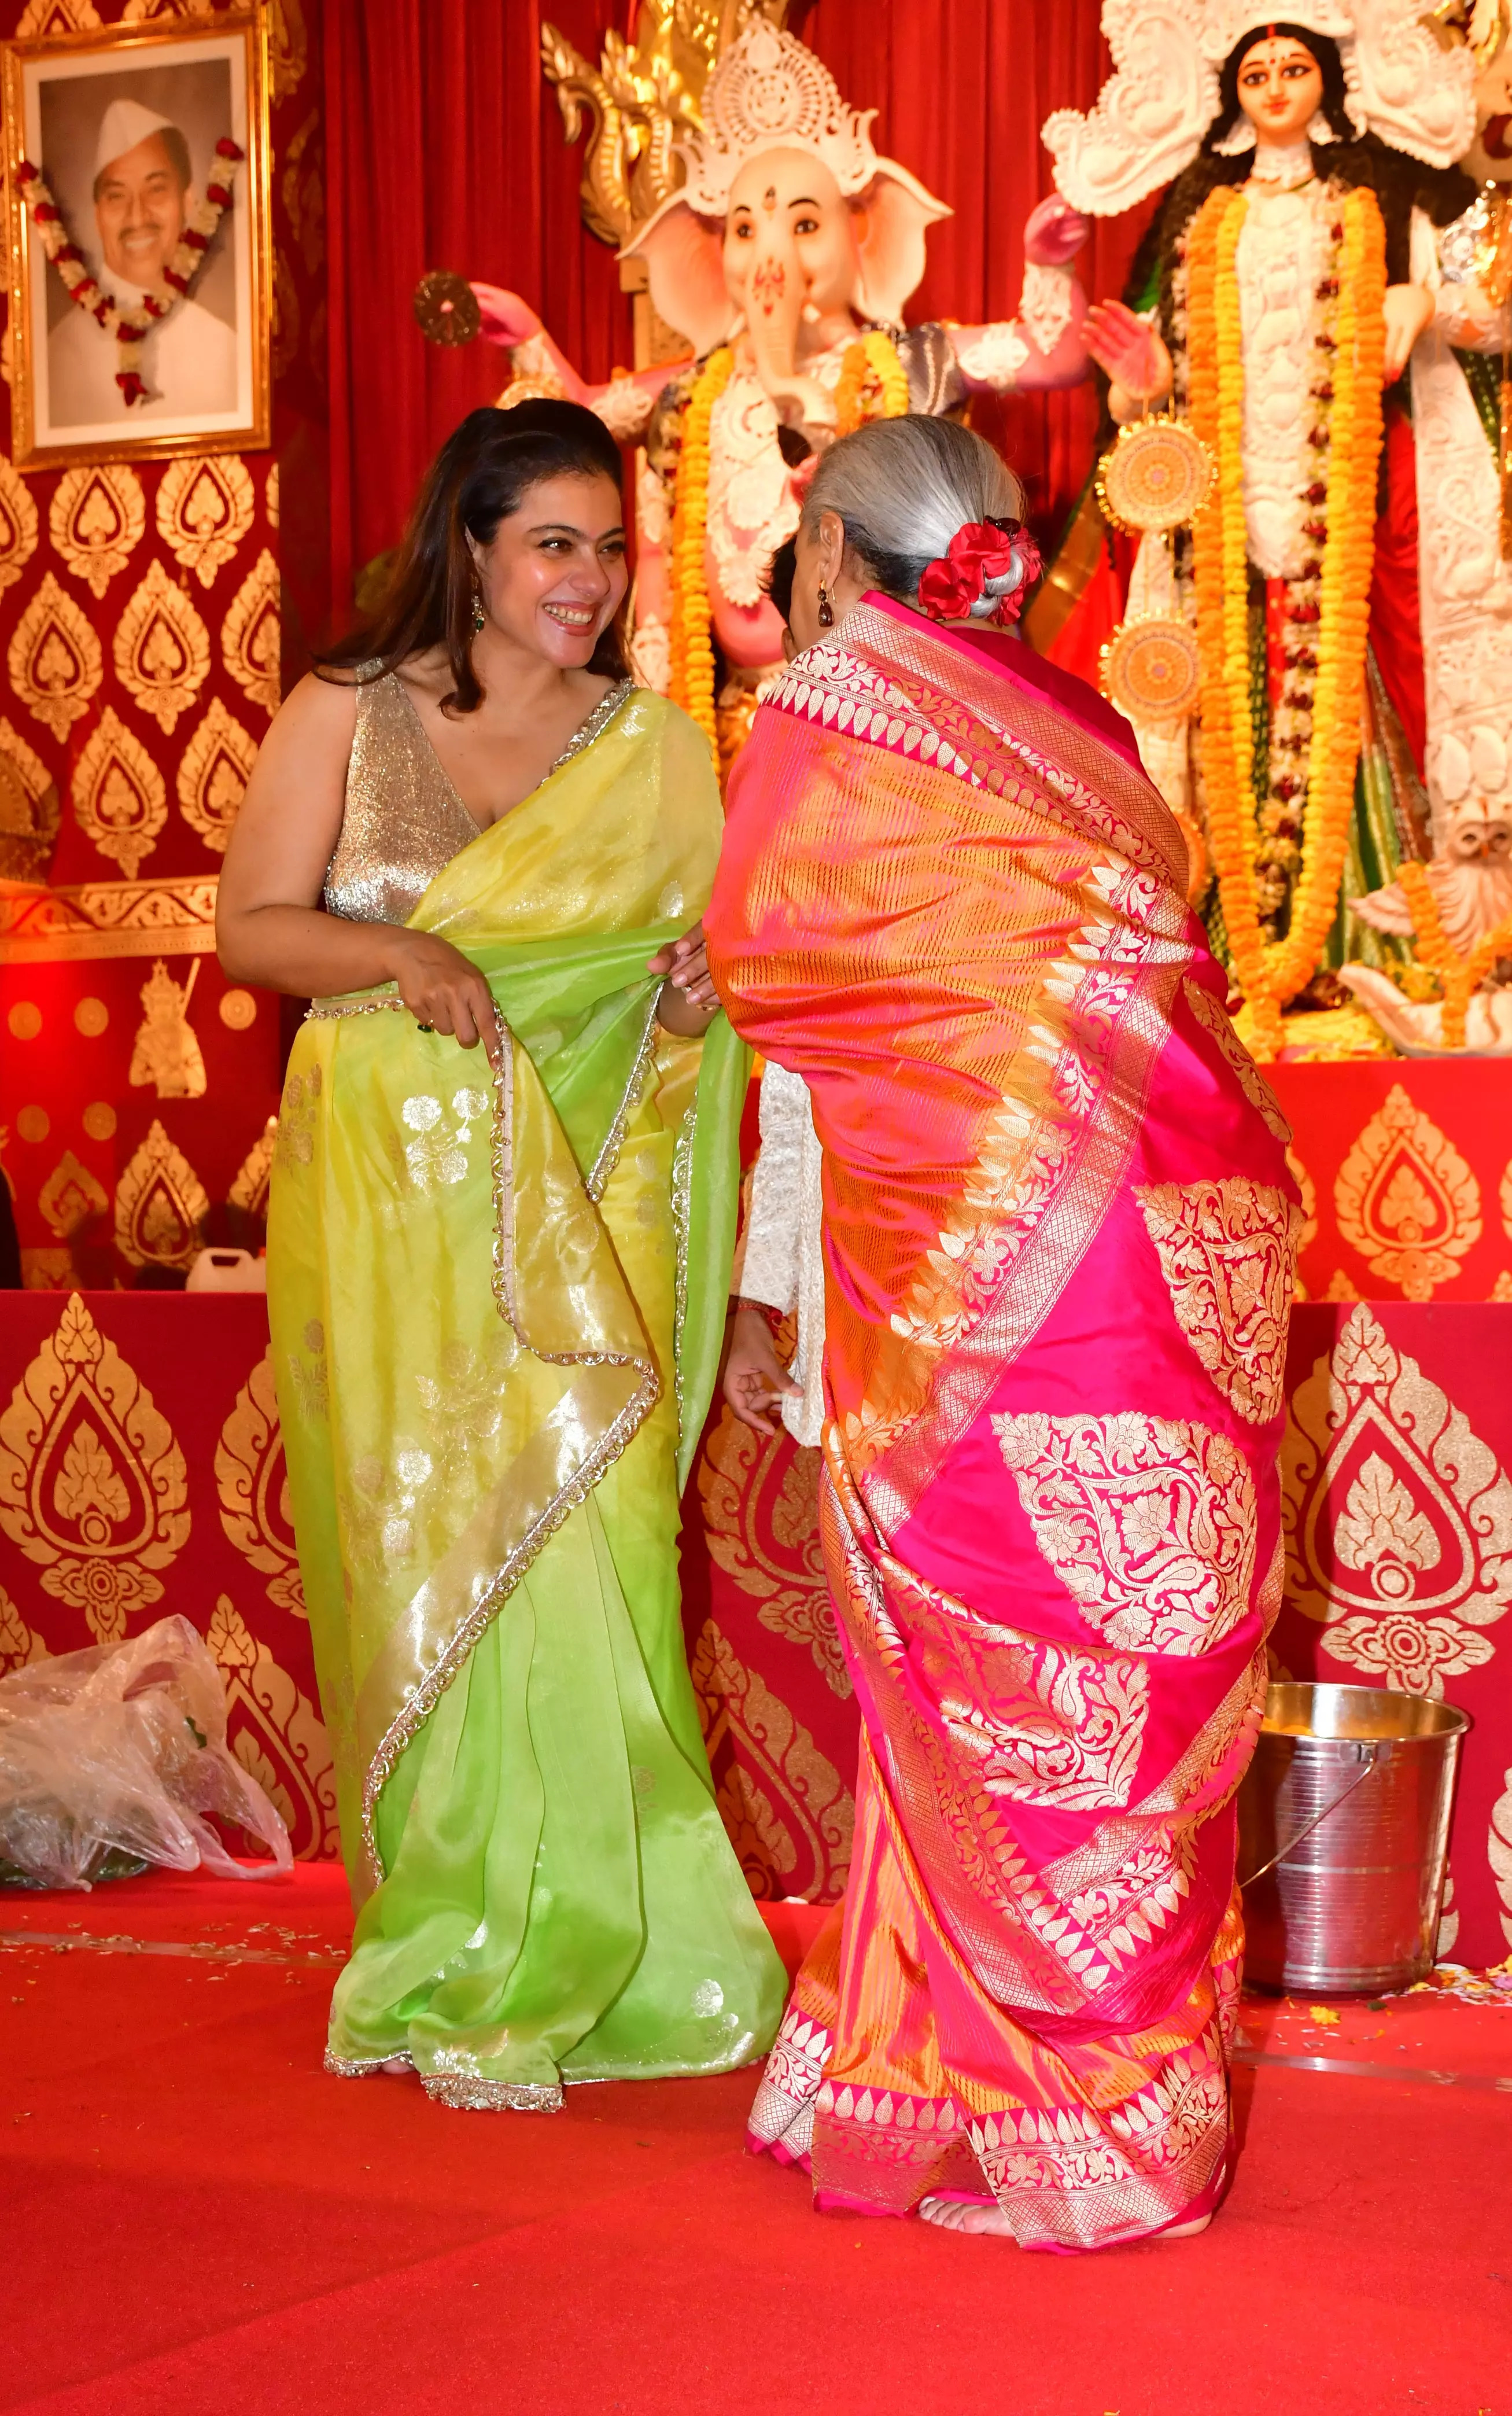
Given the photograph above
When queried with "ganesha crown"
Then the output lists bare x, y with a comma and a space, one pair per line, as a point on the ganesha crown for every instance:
769, 91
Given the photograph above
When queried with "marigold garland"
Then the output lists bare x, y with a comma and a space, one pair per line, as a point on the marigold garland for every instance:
157, 301
1460, 976
874, 358
1271, 974
693, 618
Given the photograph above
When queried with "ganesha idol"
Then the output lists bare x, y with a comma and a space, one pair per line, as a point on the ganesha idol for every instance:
784, 259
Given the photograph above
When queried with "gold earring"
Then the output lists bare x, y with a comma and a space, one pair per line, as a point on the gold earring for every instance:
479, 616
826, 610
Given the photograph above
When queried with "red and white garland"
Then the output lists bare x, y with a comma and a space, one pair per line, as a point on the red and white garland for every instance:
179, 275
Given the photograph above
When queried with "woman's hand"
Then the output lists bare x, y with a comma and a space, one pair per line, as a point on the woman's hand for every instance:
1133, 354
1407, 310
755, 1379
445, 991
688, 1002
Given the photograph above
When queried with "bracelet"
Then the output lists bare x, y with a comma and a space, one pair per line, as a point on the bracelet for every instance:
764, 1309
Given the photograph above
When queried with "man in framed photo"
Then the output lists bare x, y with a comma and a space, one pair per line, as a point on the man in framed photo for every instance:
143, 199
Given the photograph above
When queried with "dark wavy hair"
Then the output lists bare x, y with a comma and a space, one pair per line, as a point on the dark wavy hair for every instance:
1397, 182
480, 476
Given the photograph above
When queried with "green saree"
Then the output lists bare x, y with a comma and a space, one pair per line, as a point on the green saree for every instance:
496, 1306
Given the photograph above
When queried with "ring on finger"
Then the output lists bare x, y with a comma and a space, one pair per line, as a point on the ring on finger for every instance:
425, 1027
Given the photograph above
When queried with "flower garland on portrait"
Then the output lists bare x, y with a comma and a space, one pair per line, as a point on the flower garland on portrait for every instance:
1460, 977
157, 301
1288, 850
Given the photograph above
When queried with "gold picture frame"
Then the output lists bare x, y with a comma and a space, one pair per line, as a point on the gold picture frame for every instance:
79, 93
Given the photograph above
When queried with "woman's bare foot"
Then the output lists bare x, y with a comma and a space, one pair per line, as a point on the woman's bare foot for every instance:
959, 2214
397, 2063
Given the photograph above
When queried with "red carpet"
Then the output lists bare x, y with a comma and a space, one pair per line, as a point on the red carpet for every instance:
197, 2219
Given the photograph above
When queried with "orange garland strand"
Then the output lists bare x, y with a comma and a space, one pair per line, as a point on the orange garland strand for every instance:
691, 640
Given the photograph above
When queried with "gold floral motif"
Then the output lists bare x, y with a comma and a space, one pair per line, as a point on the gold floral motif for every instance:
298, 1111
165, 1051
205, 509
92, 1482
253, 1482
162, 649
1406, 1200
738, 1480
276, 1733
119, 797
1504, 1199
1502, 1288
1499, 1853
288, 46
1419, 1553
18, 524
143, 12
97, 520
1228, 1253
30, 810
213, 776
782, 1803
18, 1642
55, 660
1215, 1019
249, 638
160, 1205
1066, 1728
1149, 1523
57, 17
270, 496
249, 1188
70, 1197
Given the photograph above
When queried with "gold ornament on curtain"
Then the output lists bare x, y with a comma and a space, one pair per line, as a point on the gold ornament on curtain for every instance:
119, 799
1406, 1200
160, 1205
71, 1198
276, 1733
789, 1812
249, 635
166, 1051
253, 1482
42, 17
55, 659
249, 1188
162, 650
30, 809
96, 522
92, 1482
18, 525
213, 776
205, 509
761, 1515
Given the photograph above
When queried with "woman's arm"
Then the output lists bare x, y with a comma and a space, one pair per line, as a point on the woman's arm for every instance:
268, 929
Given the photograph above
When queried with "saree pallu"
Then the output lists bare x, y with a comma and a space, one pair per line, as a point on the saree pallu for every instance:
1059, 1236
497, 1305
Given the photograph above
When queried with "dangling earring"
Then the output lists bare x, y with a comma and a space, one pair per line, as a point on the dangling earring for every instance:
479, 616
826, 610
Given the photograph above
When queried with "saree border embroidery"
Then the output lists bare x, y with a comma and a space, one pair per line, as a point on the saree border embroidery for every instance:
596, 1181
1218, 1022
1228, 1251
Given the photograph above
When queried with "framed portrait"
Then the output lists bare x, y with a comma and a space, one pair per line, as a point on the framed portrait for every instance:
137, 188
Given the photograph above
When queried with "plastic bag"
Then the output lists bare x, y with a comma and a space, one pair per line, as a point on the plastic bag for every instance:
121, 1750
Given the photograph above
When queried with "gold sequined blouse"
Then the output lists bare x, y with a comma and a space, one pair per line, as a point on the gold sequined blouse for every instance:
402, 821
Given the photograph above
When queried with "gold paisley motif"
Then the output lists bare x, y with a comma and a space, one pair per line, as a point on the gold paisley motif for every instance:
1396, 1515
160, 1205
18, 524
92, 1482
787, 1809
249, 635
55, 660
760, 1518
30, 809
276, 1733
213, 776
252, 1483
18, 1643
119, 797
1228, 1253
249, 1188
205, 509
57, 17
1149, 1523
71, 1198
162, 649
95, 520
1406, 1200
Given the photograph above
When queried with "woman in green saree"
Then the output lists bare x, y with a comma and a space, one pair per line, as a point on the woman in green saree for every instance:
496, 1290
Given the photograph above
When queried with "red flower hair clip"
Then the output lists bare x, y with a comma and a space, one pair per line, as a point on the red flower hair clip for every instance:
982, 551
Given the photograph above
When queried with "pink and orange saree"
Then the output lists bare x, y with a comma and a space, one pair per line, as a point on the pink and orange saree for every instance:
1059, 1236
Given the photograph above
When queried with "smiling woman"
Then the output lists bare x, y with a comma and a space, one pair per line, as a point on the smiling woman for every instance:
497, 1288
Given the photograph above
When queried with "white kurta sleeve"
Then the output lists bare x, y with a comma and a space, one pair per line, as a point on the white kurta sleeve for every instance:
780, 1258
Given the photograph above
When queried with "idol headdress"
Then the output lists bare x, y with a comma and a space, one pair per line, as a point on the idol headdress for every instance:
1153, 111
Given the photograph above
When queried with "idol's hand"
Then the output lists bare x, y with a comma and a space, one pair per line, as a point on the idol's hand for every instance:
506, 320
446, 992
1131, 352
755, 1378
1054, 233
1407, 311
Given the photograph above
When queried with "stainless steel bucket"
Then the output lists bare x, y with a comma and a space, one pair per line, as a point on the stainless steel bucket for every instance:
1343, 1839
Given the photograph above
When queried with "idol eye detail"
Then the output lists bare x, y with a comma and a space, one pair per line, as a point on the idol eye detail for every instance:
807, 226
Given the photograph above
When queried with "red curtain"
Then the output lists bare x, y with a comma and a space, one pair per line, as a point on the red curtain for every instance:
447, 151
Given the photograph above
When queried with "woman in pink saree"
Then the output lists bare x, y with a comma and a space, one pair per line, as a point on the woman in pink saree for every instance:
1059, 1236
